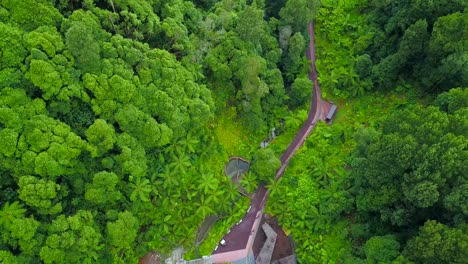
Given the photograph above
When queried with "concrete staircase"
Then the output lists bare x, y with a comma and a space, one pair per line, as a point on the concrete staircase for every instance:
264, 257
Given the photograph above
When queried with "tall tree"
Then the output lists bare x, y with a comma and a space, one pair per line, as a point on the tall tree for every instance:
265, 164
299, 13
412, 158
437, 243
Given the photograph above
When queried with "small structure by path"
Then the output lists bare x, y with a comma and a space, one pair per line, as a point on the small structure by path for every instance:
235, 168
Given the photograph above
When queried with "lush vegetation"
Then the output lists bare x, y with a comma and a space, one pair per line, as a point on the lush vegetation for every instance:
109, 142
386, 182
117, 117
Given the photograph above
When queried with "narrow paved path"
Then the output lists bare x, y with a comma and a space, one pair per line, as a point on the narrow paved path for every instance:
241, 236
316, 112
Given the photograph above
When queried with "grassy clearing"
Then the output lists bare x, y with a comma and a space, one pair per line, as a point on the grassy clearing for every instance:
368, 110
233, 137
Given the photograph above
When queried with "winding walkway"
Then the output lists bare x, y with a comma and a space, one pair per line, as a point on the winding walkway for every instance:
318, 108
239, 239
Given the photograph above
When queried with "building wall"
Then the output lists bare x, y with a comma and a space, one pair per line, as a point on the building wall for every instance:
204, 260
247, 260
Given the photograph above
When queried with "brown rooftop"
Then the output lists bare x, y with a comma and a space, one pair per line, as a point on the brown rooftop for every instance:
150, 258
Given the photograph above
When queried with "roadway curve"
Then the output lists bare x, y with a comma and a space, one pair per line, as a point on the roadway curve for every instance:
318, 108
240, 237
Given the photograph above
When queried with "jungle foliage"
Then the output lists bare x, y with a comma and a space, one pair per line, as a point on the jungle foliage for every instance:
116, 118
385, 183
105, 116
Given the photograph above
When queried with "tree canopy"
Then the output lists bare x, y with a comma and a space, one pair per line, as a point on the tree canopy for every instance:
117, 116
105, 116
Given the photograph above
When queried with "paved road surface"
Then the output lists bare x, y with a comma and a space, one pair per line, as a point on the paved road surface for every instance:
241, 235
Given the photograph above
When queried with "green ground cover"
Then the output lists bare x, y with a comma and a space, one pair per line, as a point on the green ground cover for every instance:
113, 150
310, 197
233, 140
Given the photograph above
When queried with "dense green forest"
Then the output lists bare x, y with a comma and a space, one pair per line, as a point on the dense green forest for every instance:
386, 183
117, 117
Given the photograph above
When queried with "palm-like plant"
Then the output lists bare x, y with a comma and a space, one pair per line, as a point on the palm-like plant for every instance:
321, 170
295, 121
203, 209
305, 66
180, 163
205, 151
230, 192
10, 212
249, 182
172, 149
208, 183
215, 198
141, 189
189, 143
156, 184
169, 178
329, 80
183, 145
275, 188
